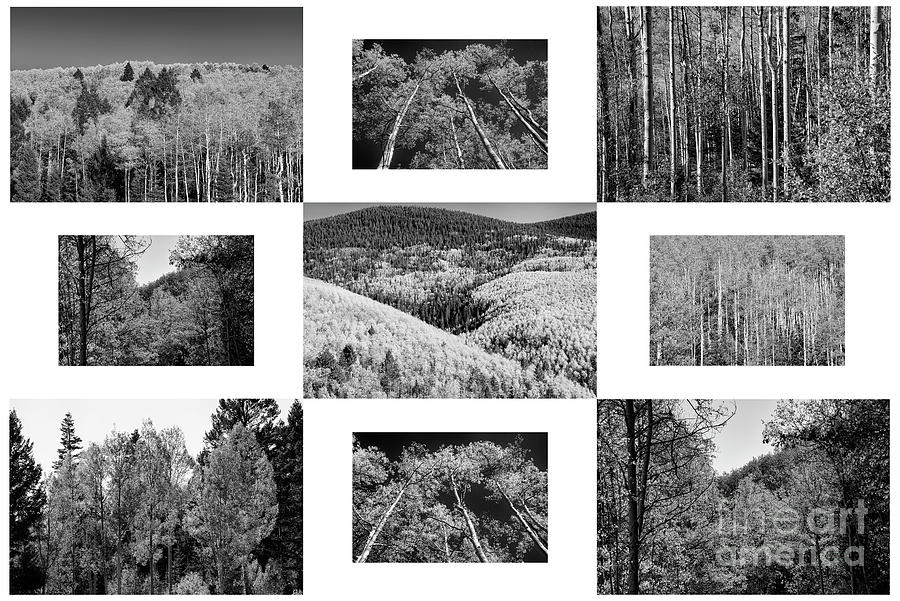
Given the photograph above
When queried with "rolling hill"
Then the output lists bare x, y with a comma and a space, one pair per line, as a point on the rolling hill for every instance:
358, 348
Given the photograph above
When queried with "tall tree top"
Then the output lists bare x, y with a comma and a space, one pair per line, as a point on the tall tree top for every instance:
69, 441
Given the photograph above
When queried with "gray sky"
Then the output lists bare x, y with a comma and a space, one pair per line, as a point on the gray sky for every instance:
95, 419
741, 438
69, 36
522, 212
154, 262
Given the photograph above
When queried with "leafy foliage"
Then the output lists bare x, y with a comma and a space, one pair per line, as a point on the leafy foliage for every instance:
172, 134
809, 518
136, 514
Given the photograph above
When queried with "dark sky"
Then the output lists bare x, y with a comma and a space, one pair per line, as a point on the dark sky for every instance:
367, 153
65, 37
392, 443
522, 50
520, 212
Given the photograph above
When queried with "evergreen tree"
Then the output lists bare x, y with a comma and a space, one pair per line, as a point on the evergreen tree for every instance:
26, 185
78, 75
70, 442
128, 73
259, 416
286, 540
26, 500
196, 76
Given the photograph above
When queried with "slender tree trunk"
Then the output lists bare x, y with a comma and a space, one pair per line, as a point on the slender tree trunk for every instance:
528, 529
488, 146
647, 65
388, 154
764, 162
373, 534
726, 121
876, 47
673, 159
473, 535
786, 93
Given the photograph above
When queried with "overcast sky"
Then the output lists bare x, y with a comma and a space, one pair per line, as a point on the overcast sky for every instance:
741, 438
154, 261
95, 419
522, 212
65, 37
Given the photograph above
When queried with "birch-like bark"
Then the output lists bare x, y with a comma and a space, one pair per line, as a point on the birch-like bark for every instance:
473, 535
488, 146
388, 154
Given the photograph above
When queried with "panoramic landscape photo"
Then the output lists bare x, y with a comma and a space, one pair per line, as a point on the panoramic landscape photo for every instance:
747, 300
137, 497
156, 300
749, 497
743, 103
450, 497
449, 104
477, 300
163, 104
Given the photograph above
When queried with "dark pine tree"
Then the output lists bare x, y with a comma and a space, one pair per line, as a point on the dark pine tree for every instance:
195, 75
78, 75
285, 543
26, 500
70, 443
259, 416
26, 186
128, 73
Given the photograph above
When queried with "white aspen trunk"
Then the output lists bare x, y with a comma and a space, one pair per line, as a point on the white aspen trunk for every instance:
647, 89
388, 154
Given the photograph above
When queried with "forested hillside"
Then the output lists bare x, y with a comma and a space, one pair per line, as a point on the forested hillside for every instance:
741, 103
355, 347
199, 314
747, 300
136, 513
142, 132
812, 517
463, 273
484, 501
449, 106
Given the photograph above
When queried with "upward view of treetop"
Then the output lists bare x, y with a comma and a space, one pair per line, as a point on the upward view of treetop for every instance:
143, 132
436, 499
743, 103
135, 512
450, 105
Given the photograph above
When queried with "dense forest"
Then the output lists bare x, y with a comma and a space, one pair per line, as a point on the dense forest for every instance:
136, 513
481, 501
199, 314
811, 517
142, 132
450, 106
740, 103
747, 300
522, 291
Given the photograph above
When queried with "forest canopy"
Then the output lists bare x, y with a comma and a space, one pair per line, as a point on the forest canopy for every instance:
144, 132
741, 103
450, 104
199, 314
449, 498
747, 300
810, 517
137, 513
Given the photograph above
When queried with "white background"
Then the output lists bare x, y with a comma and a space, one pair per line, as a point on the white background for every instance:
28, 344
